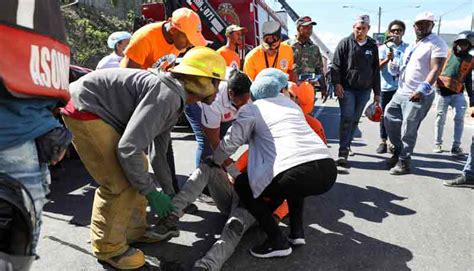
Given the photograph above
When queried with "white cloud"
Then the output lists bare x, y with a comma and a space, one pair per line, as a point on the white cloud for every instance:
454, 26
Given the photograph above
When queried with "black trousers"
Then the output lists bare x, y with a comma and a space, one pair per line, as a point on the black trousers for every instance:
294, 184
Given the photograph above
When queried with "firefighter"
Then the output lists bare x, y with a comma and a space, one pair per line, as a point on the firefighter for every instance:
158, 45
115, 114
234, 40
272, 53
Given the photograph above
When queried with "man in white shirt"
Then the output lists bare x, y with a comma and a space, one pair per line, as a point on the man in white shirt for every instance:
117, 41
422, 64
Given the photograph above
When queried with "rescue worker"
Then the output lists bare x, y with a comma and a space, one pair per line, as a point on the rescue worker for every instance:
286, 161
272, 53
234, 41
115, 115
117, 41
157, 40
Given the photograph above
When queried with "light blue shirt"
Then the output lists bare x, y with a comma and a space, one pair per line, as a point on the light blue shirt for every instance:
389, 77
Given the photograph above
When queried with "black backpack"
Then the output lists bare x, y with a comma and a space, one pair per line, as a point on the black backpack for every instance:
17, 223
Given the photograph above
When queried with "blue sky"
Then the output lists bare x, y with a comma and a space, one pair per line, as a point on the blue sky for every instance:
335, 22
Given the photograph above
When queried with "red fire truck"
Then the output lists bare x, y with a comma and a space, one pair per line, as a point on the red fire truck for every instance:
216, 15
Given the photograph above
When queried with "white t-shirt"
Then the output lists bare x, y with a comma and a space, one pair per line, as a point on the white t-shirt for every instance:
419, 65
221, 110
110, 61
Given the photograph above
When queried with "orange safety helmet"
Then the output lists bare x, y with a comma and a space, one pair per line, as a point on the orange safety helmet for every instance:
374, 112
305, 94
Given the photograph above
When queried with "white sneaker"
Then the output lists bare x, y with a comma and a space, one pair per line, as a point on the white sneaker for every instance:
297, 241
438, 149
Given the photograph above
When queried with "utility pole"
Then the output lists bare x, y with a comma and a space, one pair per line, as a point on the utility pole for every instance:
380, 15
472, 21
439, 25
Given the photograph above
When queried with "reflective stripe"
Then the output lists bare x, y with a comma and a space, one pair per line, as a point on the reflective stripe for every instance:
25, 13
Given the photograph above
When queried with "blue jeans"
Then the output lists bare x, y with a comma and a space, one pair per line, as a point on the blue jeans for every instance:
468, 170
385, 98
458, 102
352, 106
21, 163
402, 120
193, 114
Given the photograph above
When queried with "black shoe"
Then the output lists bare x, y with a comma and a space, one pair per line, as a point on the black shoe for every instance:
351, 153
165, 228
460, 181
391, 149
401, 168
270, 250
342, 162
392, 161
191, 209
382, 148
457, 151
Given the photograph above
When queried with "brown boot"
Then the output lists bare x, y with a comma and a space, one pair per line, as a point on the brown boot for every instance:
131, 259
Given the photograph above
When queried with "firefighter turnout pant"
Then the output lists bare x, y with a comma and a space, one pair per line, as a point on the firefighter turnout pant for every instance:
119, 211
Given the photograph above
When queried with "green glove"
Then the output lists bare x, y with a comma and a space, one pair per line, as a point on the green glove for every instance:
160, 203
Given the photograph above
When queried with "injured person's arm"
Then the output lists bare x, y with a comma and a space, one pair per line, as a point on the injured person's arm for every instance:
237, 135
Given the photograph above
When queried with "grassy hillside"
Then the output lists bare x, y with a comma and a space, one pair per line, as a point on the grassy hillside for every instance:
88, 31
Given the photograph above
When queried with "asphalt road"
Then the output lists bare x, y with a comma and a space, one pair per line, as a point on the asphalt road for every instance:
370, 220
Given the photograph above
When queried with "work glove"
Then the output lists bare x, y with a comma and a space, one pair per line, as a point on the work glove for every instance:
160, 203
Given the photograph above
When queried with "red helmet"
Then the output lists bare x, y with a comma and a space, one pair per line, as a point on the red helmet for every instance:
374, 112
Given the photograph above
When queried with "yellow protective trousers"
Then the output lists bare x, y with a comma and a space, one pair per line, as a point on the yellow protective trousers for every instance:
119, 211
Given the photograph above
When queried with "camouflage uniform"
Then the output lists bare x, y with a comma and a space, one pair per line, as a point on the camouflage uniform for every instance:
307, 57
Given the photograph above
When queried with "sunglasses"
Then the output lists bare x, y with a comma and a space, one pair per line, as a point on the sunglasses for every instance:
399, 30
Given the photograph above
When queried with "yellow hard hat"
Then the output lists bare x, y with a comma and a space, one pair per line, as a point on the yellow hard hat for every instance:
202, 61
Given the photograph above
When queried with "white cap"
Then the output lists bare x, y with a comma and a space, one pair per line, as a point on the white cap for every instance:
425, 16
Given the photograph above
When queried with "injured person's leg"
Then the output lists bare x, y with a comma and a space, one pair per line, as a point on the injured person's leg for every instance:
199, 179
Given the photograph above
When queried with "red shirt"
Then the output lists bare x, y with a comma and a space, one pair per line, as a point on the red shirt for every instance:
70, 111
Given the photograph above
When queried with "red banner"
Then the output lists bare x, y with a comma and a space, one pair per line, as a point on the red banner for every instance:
33, 65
